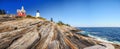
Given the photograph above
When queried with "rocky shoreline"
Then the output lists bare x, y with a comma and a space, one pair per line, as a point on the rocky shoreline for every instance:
29, 33
116, 46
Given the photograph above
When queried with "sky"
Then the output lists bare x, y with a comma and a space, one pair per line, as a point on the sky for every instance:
78, 13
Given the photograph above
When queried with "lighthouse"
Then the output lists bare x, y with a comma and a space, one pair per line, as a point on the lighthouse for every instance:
37, 13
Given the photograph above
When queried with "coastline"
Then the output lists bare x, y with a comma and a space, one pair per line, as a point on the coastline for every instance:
38, 33
99, 40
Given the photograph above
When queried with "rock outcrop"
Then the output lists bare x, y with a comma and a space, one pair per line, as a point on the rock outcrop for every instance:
27, 33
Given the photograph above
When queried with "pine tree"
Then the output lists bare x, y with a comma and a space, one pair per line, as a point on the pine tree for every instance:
2, 11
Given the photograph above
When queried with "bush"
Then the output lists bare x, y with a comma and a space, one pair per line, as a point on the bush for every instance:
41, 18
29, 16
67, 24
61, 23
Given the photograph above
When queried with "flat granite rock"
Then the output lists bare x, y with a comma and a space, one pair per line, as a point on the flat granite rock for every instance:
30, 33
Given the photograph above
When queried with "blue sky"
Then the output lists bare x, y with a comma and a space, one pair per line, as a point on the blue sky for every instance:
82, 13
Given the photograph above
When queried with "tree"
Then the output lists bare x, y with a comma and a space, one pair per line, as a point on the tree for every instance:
2, 11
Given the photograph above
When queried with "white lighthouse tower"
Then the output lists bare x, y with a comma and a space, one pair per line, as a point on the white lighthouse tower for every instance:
37, 13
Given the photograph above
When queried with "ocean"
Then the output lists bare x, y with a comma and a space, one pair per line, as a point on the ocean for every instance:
106, 34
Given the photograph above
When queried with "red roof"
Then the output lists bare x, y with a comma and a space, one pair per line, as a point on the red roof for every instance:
21, 14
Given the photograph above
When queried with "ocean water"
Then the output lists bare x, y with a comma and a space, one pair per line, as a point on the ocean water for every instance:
106, 34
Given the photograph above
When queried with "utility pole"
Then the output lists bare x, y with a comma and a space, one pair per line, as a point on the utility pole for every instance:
51, 19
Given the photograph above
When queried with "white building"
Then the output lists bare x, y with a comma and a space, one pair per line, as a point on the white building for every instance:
21, 12
37, 13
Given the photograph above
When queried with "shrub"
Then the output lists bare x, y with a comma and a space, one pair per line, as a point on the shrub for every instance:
61, 23
41, 18
67, 24
29, 16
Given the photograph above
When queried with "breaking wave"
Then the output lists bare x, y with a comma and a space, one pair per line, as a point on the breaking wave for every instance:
99, 38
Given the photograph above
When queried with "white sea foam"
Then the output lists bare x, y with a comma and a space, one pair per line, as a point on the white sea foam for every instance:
104, 34
98, 38
103, 39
